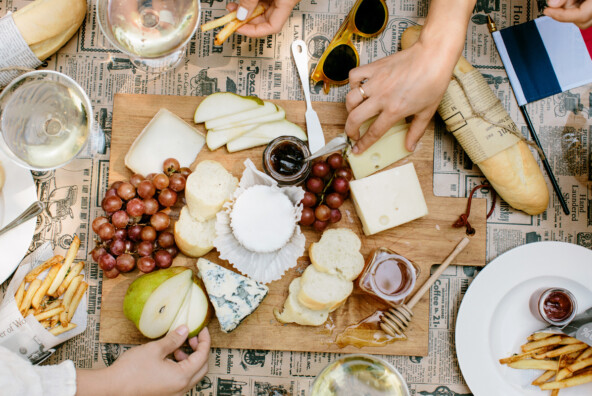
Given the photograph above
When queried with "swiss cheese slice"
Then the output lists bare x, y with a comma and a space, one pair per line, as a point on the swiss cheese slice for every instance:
388, 199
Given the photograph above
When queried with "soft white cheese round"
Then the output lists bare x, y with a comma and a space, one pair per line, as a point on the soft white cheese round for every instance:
262, 219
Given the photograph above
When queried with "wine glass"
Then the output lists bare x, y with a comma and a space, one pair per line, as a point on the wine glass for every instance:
154, 33
45, 119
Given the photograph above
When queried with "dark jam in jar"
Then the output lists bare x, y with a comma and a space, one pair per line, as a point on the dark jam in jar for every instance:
557, 306
283, 160
287, 158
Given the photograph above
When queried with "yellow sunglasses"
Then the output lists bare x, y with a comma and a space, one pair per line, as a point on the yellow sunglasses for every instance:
367, 18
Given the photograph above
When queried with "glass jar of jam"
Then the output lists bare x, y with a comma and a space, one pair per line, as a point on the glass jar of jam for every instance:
556, 306
283, 160
389, 276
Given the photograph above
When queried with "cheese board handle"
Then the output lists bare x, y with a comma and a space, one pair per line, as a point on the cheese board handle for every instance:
426, 286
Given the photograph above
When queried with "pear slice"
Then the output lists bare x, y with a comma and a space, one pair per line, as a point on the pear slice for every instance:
183, 313
237, 119
200, 310
264, 134
222, 104
218, 138
280, 114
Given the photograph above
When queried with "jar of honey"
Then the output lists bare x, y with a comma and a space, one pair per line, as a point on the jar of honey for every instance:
389, 276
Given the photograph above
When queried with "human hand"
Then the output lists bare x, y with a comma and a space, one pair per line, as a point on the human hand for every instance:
576, 11
408, 83
146, 370
272, 21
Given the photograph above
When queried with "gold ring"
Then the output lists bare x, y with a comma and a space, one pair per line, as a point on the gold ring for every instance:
364, 96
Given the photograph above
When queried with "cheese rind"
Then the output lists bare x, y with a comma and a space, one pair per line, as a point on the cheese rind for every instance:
233, 296
388, 199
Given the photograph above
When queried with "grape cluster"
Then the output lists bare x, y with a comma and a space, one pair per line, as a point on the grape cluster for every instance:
326, 189
133, 231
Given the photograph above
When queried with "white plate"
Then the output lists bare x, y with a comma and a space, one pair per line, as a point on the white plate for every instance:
494, 318
17, 194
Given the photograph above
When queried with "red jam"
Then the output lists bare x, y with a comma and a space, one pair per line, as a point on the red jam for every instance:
557, 306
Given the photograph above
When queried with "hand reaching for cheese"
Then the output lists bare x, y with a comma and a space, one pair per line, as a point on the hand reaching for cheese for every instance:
272, 21
577, 11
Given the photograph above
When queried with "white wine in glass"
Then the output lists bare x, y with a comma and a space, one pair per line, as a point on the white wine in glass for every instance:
153, 32
45, 119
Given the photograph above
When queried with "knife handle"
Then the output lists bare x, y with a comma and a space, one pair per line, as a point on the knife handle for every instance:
301, 60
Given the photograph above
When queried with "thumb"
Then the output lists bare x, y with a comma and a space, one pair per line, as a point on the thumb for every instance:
245, 8
173, 340
556, 3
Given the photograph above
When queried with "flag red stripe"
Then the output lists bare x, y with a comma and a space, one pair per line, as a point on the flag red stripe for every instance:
587, 36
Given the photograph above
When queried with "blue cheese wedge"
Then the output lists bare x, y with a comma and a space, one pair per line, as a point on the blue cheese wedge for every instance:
233, 296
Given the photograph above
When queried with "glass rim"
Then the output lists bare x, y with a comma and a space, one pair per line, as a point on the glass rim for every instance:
89, 109
120, 48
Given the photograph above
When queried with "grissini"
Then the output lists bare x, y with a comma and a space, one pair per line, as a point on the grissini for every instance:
46, 25
513, 172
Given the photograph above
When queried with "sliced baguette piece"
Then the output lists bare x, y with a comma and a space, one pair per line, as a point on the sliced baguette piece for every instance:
194, 238
294, 312
208, 187
320, 291
338, 253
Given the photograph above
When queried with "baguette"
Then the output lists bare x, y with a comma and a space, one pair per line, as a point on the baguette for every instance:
194, 238
46, 25
294, 312
338, 253
513, 172
320, 291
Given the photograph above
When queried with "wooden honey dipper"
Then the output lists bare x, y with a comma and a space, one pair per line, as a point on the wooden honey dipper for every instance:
396, 320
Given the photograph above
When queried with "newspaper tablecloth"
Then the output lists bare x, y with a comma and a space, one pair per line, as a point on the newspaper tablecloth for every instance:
264, 67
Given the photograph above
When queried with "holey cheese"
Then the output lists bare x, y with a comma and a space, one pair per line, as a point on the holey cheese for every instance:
388, 199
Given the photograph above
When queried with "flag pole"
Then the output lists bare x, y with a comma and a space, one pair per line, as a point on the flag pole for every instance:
533, 134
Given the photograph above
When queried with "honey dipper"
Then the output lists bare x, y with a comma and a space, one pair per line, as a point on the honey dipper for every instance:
396, 320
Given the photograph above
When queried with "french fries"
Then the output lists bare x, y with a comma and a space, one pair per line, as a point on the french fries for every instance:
567, 361
232, 24
54, 299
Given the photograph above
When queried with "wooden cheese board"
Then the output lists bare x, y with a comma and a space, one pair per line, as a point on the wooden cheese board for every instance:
426, 241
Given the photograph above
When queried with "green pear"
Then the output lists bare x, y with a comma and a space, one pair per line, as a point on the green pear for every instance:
221, 104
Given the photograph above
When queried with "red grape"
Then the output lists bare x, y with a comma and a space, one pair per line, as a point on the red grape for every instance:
129, 246
116, 185
315, 185
120, 219
167, 197
106, 231
320, 169
126, 191
322, 212
120, 233
98, 222
150, 206
134, 232
148, 234
185, 172
150, 176
177, 182
106, 262
112, 192
117, 247
163, 259
334, 200
166, 239
170, 165
161, 181
146, 264
344, 172
335, 216
307, 217
125, 263
146, 189
136, 179
173, 251
320, 225
135, 207
160, 221
111, 204
309, 199
145, 248
113, 273
340, 185
335, 161
97, 252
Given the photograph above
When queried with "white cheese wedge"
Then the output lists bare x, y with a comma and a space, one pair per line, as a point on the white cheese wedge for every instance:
386, 151
263, 219
388, 199
233, 296
165, 136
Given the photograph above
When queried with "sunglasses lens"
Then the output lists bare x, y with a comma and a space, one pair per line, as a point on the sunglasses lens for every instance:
339, 62
370, 16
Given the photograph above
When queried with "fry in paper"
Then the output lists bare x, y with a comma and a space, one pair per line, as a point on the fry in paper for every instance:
70, 256
62, 329
45, 286
32, 275
26, 303
74, 271
76, 300
48, 314
20, 293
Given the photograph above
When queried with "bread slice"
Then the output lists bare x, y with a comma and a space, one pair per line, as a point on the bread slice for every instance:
294, 312
208, 188
338, 253
194, 238
321, 291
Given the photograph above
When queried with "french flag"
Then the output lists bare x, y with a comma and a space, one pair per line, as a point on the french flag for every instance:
544, 57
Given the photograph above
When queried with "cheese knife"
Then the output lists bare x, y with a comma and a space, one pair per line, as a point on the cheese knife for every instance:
316, 138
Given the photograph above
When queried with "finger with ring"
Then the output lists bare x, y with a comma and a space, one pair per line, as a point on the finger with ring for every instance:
362, 92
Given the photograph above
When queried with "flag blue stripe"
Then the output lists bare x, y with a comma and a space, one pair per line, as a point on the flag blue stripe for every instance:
531, 61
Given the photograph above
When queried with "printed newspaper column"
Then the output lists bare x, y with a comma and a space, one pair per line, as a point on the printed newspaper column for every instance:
14, 51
